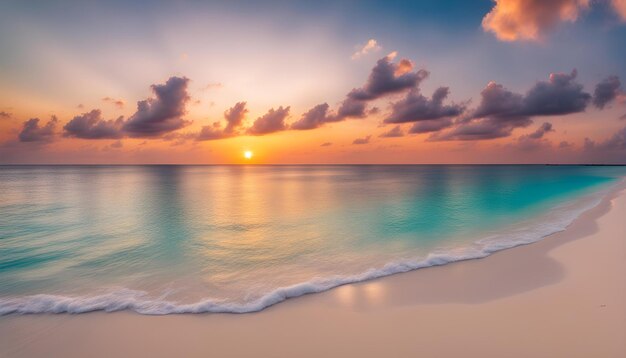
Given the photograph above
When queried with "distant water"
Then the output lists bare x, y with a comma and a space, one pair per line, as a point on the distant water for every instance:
167, 239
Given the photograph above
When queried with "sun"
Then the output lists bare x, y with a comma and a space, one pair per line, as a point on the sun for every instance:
248, 154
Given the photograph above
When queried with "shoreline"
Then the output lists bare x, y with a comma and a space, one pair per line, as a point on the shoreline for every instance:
551, 290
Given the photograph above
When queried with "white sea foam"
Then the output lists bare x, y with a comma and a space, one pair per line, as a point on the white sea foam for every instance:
141, 302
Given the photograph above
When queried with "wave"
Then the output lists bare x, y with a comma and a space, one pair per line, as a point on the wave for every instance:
141, 302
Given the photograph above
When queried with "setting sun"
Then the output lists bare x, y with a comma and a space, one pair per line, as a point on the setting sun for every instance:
248, 154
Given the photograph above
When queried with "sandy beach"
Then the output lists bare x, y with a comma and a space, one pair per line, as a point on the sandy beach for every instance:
564, 296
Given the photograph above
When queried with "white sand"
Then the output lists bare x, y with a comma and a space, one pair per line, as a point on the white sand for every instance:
564, 296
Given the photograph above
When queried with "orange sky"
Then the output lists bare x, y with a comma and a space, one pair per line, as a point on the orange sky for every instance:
301, 58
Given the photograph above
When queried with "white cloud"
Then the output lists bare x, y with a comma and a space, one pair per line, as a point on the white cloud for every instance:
370, 46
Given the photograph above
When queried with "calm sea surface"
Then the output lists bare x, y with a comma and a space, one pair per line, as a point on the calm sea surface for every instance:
164, 239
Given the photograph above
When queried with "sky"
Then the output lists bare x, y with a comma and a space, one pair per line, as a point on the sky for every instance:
302, 82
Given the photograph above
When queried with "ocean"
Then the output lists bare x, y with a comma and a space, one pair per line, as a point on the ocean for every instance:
193, 239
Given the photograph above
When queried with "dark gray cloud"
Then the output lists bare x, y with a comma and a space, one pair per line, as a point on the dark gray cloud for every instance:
498, 113
4, 114
91, 125
415, 107
432, 125
326, 144
163, 112
350, 108
497, 101
535, 140
559, 95
272, 121
33, 132
486, 128
541, 131
617, 142
363, 140
393, 133
314, 118
387, 77
234, 117
320, 115
606, 91
501, 111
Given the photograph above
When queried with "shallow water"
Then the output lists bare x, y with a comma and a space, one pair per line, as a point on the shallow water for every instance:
162, 239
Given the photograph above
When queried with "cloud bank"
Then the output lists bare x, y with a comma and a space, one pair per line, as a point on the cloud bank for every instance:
501, 111
498, 113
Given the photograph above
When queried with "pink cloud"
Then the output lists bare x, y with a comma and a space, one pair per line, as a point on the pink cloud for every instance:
513, 20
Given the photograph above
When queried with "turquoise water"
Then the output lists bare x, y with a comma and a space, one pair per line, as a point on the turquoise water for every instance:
165, 239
